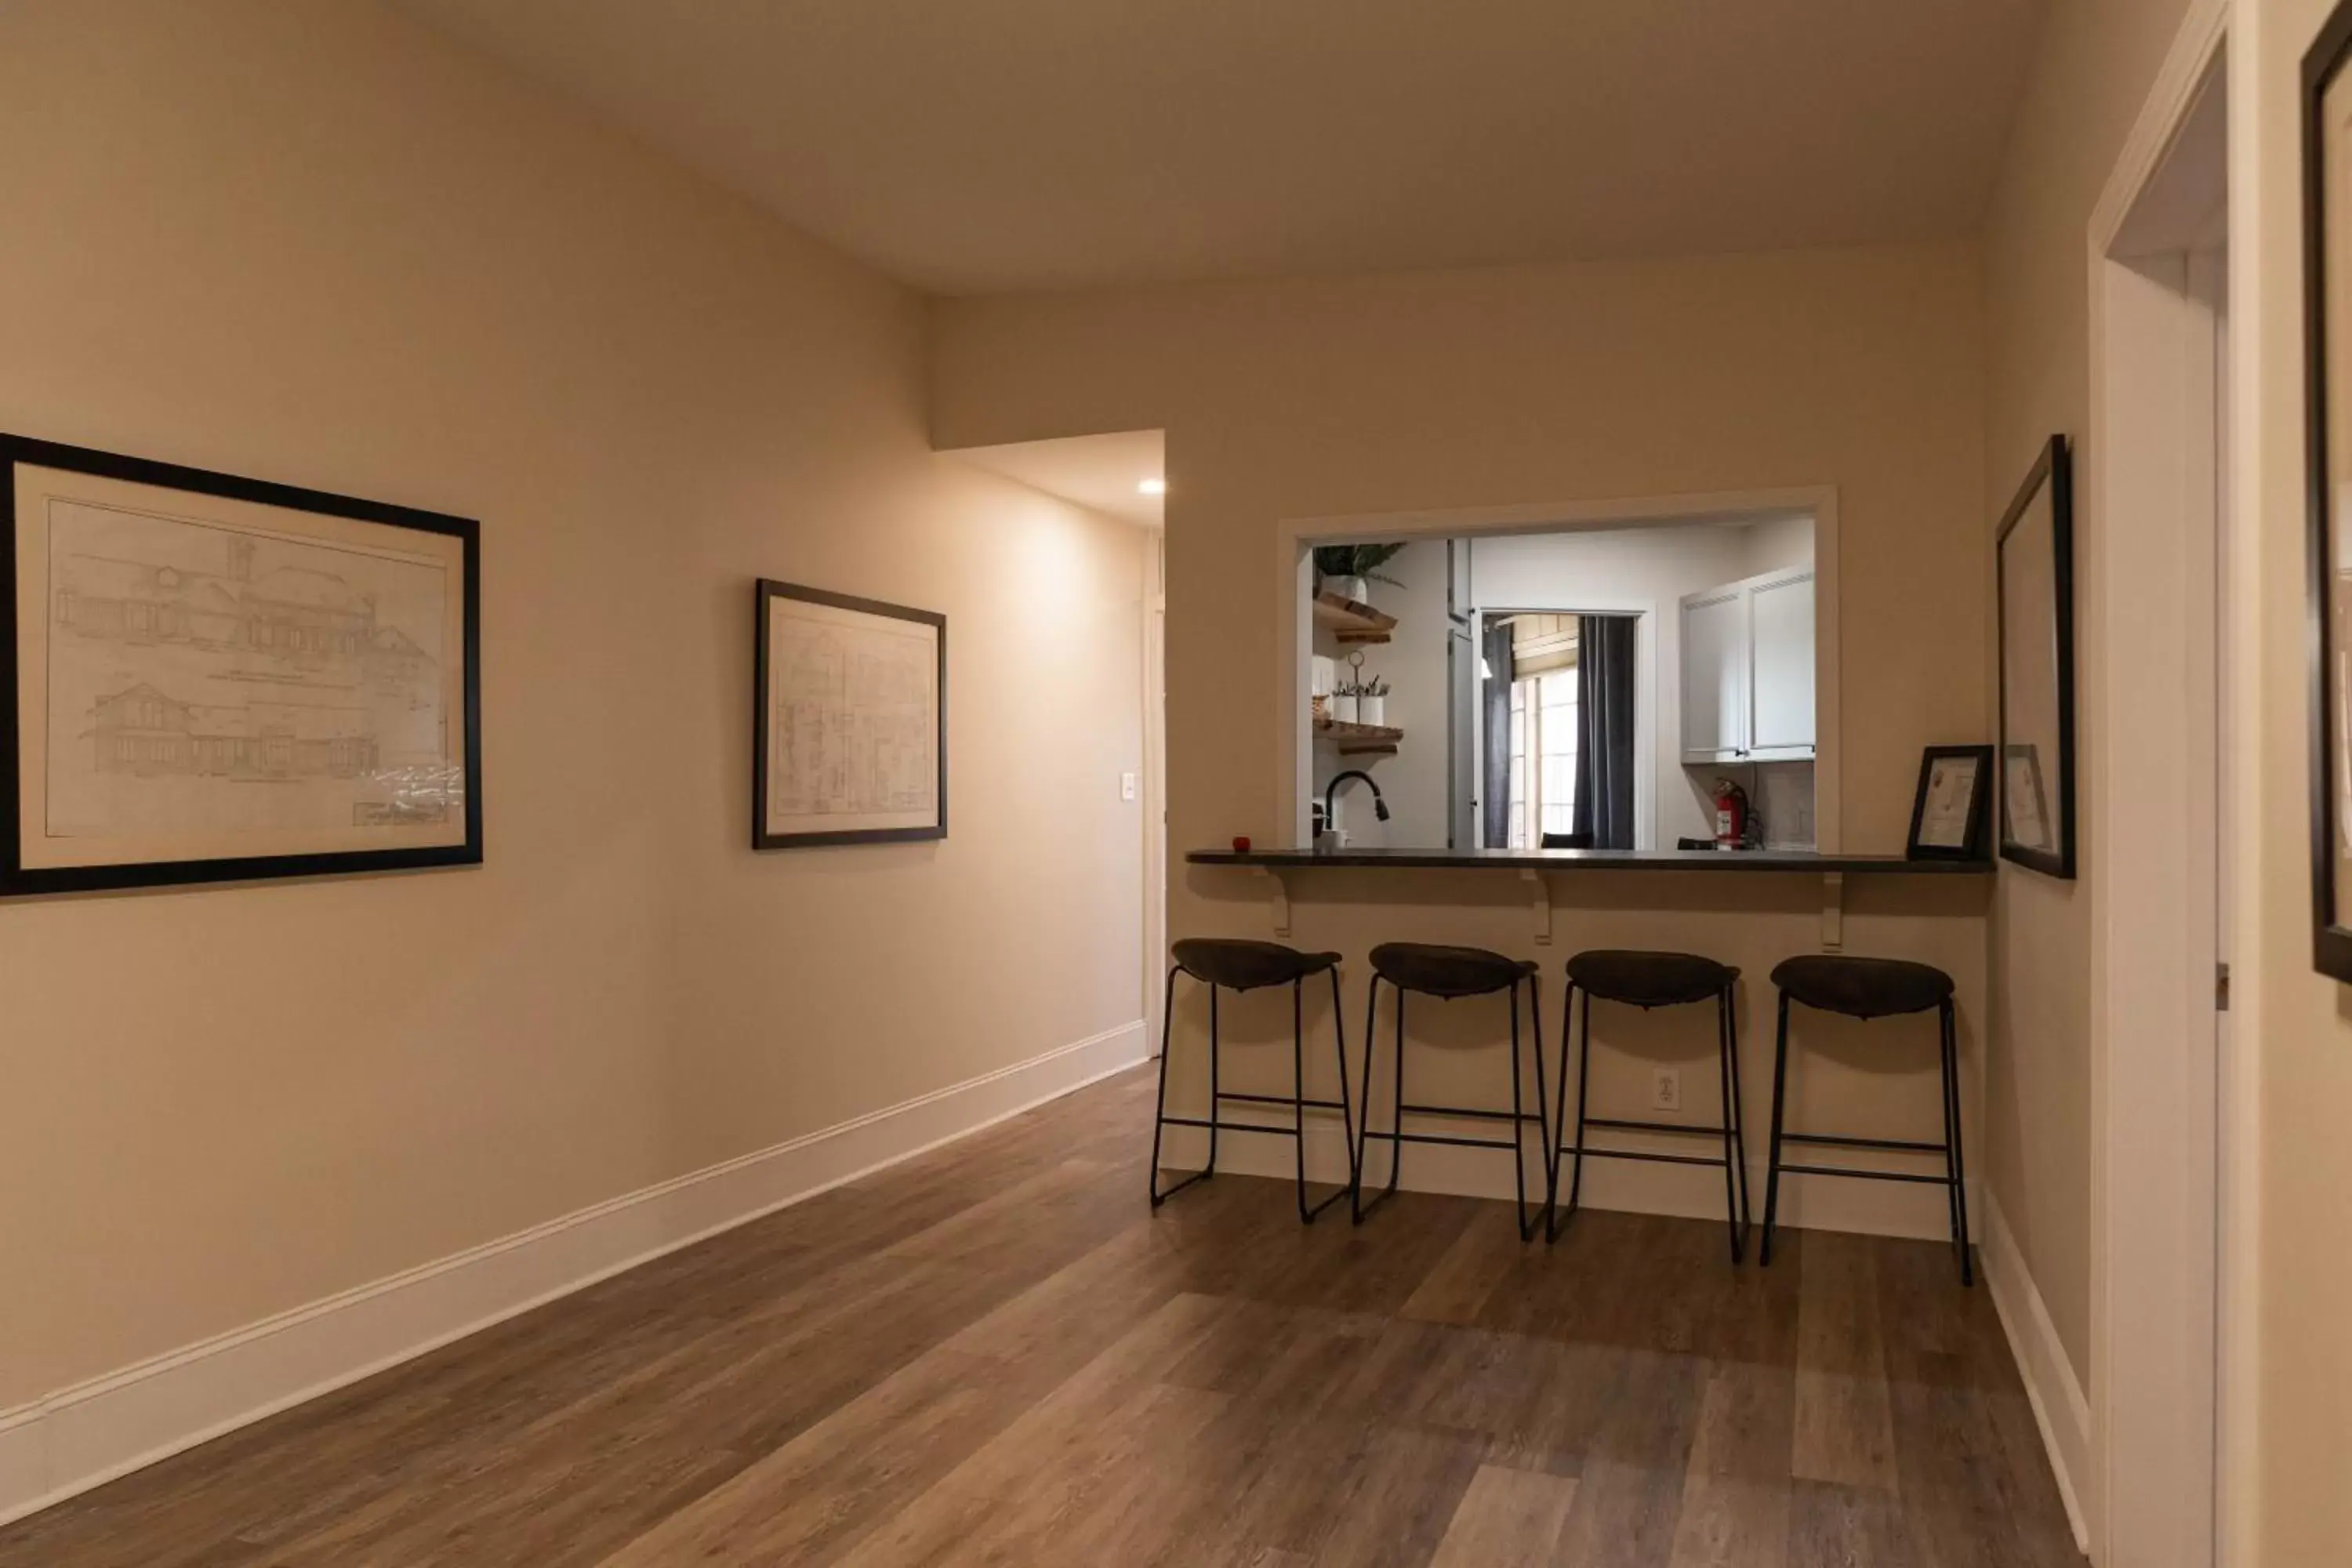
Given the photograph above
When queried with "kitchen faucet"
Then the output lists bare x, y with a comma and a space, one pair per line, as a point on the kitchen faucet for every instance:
1326, 818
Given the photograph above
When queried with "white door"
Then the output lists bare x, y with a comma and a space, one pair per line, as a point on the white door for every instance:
1715, 675
1781, 638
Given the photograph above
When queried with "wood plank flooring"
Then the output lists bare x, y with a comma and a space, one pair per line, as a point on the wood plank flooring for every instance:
998, 1354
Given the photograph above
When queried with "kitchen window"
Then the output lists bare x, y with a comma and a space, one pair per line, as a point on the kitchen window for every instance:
1543, 756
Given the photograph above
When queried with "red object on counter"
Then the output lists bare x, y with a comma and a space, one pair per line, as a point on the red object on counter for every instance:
1730, 815
1241, 844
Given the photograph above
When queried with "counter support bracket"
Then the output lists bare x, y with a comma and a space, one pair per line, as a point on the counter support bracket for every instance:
1832, 912
1542, 906
1278, 891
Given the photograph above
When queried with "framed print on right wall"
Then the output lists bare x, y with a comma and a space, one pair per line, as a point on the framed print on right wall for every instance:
2327, 386
2036, 627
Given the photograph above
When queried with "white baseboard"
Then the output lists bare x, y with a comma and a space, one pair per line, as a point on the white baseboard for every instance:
2060, 1408
82, 1437
1906, 1209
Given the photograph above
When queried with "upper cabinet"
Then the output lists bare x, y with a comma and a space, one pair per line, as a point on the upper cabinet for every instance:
1748, 669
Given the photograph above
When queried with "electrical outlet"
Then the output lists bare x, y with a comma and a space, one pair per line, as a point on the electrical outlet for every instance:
1665, 1089
1126, 786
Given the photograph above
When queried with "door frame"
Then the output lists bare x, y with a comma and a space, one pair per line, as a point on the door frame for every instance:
2156, 515
1647, 784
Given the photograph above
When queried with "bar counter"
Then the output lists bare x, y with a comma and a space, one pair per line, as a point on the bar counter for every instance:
1536, 868
1800, 860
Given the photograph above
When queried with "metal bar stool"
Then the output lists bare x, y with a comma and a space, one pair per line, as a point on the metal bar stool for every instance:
1237, 965
1447, 974
1869, 988
1647, 980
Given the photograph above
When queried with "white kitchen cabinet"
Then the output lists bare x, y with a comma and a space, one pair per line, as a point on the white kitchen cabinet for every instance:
1715, 656
1747, 671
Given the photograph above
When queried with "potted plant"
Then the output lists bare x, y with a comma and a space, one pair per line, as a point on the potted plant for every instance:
1344, 702
1350, 570
1371, 701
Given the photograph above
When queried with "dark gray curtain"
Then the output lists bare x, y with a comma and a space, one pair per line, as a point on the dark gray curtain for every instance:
1604, 721
1495, 697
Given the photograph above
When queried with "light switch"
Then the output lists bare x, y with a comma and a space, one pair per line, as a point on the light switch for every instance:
1126, 786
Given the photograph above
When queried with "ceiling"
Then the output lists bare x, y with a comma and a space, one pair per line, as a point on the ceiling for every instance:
1097, 471
980, 146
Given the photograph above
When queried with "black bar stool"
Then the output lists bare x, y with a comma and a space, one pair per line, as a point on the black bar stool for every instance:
1448, 972
1647, 980
1869, 988
1236, 966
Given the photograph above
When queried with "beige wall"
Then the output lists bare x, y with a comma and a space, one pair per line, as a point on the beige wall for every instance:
313, 244
1858, 369
2097, 61
2295, 1285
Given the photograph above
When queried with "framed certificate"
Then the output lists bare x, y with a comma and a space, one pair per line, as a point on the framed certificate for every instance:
1950, 811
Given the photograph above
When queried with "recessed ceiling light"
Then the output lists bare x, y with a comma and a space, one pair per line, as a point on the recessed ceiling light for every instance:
1152, 487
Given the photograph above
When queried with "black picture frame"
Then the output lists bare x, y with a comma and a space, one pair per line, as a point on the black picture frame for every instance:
766, 590
2331, 940
17, 879
1980, 806
2053, 468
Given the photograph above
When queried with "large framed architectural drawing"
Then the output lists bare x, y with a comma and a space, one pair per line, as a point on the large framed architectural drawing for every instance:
850, 732
2328, 449
215, 678
2033, 557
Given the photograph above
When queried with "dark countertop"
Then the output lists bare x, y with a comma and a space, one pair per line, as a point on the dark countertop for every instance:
1802, 860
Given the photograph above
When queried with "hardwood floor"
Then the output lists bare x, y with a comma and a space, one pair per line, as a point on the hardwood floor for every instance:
998, 1354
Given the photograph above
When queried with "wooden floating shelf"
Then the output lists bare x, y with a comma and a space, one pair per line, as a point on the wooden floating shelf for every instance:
1352, 620
1359, 740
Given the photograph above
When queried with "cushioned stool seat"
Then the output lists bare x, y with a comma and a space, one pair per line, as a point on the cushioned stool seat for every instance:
1242, 965
1649, 979
1447, 971
1862, 987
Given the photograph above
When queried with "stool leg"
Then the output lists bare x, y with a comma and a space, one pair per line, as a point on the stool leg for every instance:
1339, 1054
1396, 1118
1364, 1141
1730, 1157
1955, 1164
1518, 1118
1299, 1093
1780, 1096
1558, 1115
1216, 1094
1583, 1079
1543, 1124
1738, 1114
1160, 1117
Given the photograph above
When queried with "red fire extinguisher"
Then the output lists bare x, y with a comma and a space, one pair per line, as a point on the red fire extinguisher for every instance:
1730, 815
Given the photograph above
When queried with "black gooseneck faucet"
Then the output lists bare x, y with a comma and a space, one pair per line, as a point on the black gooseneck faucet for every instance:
1325, 820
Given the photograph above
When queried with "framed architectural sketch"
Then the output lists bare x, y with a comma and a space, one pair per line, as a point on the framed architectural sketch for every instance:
850, 734
2036, 600
2327, 385
213, 678
1949, 812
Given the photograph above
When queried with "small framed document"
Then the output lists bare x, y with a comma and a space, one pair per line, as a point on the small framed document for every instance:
1947, 815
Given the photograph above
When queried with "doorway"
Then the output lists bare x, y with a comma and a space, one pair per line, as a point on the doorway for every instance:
2158, 450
